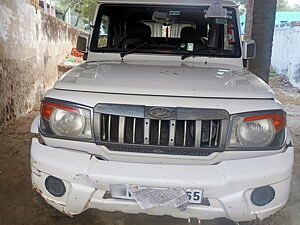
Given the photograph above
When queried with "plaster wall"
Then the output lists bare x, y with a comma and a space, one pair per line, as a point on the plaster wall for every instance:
32, 44
286, 52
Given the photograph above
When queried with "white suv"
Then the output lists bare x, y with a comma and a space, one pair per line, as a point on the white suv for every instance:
162, 119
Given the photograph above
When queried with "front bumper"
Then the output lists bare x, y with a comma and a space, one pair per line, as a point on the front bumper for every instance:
227, 185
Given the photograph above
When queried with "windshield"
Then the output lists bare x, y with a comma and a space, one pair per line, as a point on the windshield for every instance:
165, 30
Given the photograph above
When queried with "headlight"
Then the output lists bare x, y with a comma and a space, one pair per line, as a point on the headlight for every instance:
65, 120
258, 131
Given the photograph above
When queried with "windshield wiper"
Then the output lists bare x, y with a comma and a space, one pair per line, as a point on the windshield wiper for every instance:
199, 51
134, 49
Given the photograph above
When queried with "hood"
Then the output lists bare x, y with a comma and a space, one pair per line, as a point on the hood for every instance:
181, 80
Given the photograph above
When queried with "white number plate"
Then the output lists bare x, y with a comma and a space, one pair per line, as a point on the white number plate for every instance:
120, 191
195, 196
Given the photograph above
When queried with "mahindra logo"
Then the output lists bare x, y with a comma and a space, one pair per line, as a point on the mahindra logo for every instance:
160, 113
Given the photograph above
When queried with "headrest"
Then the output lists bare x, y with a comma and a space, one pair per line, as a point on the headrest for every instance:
138, 29
188, 34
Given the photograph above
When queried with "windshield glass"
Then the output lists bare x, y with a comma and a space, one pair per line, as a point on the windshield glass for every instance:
165, 30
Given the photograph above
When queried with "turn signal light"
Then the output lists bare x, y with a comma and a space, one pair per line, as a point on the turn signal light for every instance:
48, 107
278, 119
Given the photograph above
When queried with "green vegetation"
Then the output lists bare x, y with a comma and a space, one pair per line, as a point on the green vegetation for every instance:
274, 74
87, 9
283, 6
84, 8
63, 6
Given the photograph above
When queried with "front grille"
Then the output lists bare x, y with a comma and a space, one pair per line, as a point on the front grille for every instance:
157, 149
196, 132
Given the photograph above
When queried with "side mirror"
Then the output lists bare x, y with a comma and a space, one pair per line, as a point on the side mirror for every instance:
249, 49
82, 43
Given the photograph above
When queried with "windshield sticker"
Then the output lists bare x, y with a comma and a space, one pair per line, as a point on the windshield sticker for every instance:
229, 15
174, 13
221, 21
190, 47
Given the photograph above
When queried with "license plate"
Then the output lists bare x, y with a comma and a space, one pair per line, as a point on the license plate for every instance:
195, 196
121, 192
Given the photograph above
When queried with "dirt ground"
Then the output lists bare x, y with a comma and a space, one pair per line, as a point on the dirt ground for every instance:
18, 205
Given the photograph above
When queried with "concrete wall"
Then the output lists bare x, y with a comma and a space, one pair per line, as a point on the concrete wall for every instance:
286, 51
31, 46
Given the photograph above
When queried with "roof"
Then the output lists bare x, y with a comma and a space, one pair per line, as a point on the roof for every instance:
169, 2
281, 17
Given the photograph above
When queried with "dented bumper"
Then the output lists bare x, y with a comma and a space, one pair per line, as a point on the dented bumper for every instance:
227, 186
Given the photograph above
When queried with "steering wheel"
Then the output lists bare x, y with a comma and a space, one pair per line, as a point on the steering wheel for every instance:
135, 41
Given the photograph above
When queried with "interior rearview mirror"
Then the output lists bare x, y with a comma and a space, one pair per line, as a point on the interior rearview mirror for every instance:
158, 15
166, 17
82, 43
249, 49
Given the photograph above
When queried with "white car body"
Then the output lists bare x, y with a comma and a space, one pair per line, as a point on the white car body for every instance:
227, 178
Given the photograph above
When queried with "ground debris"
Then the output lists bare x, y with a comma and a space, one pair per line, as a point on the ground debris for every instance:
285, 92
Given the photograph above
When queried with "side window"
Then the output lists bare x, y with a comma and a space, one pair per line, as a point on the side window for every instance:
229, 32
229, 36
222, 34
103, 35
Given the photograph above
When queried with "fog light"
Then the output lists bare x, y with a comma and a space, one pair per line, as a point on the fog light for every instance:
55, 186
263, 195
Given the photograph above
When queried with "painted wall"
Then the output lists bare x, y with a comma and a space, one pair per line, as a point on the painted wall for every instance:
286, 51
281, 17
31, 46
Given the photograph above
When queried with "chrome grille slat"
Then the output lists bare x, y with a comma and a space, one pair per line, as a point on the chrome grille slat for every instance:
174, 134
146, 131
217, 134
159, 131
121, 129
210, 133
184, 133
109, 126
133, 130
97, 126
103, 127
198, 135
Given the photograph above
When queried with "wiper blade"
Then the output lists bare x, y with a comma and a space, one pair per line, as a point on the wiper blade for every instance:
195, 53
134, 49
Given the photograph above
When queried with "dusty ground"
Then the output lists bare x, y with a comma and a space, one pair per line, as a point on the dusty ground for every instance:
17, 204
